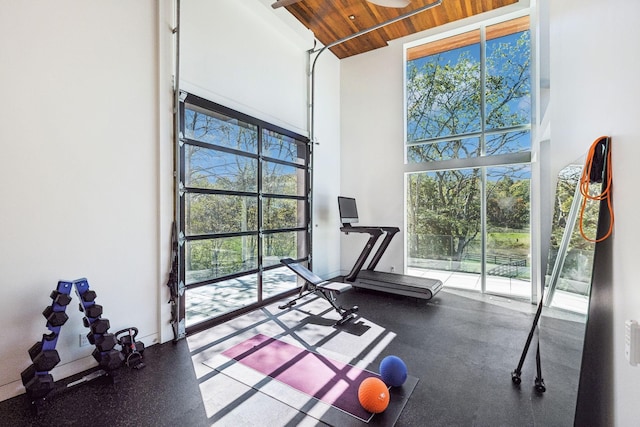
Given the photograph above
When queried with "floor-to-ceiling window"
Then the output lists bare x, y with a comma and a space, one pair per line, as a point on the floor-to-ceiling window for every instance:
244, 205
468, 149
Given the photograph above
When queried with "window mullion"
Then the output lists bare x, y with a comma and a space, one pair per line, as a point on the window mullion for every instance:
260, 213
483, 92
483, 152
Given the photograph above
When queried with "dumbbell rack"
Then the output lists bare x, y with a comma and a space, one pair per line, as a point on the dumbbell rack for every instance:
36, 379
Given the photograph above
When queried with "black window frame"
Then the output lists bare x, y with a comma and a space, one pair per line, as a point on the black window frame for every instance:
190, 100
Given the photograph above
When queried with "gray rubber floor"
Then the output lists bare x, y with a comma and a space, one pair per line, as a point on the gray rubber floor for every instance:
461, 348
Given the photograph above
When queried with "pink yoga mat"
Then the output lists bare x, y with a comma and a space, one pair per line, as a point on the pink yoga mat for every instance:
330, 381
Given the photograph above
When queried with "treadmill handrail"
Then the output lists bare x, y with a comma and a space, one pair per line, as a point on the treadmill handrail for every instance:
375, 232
346, 228
390, 232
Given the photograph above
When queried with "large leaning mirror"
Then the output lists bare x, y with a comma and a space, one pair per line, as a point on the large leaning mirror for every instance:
570, 266
568, 280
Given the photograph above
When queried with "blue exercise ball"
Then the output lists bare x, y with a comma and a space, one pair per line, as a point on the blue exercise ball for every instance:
393, 371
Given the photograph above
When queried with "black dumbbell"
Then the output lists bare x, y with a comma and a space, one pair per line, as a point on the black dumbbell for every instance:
27, 374
55, 318
88, 296
60, 298
39, 386
93, 311
110, 360
35, 349
104, 342
99, 326
46, 360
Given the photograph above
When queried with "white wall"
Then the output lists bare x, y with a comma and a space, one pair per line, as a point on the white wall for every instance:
87, 150
79, 171
248, 57
243, 56
326, 167
85, 169
372, 149
594, 92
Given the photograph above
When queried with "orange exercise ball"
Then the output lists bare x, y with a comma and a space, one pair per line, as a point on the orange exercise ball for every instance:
373, 395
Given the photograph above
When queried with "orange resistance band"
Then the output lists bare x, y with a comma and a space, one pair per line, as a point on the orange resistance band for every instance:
605, 194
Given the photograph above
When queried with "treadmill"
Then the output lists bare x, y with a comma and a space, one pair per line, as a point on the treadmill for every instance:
417, 287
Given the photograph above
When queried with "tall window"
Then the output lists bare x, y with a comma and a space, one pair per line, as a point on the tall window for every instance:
468, 122
244, 205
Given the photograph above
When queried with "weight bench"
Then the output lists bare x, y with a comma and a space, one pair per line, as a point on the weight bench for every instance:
315, 285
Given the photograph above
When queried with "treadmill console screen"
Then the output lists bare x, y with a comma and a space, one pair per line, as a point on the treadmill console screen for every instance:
348, 210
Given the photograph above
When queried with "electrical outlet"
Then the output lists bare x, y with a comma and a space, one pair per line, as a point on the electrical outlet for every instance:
392, 269
84, 341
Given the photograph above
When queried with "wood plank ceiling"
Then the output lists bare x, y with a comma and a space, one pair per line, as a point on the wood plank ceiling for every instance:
332, 20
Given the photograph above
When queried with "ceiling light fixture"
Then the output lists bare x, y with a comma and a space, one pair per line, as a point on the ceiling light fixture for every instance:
391, 3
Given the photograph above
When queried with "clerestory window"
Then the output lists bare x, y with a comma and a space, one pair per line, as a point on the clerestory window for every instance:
468, 151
